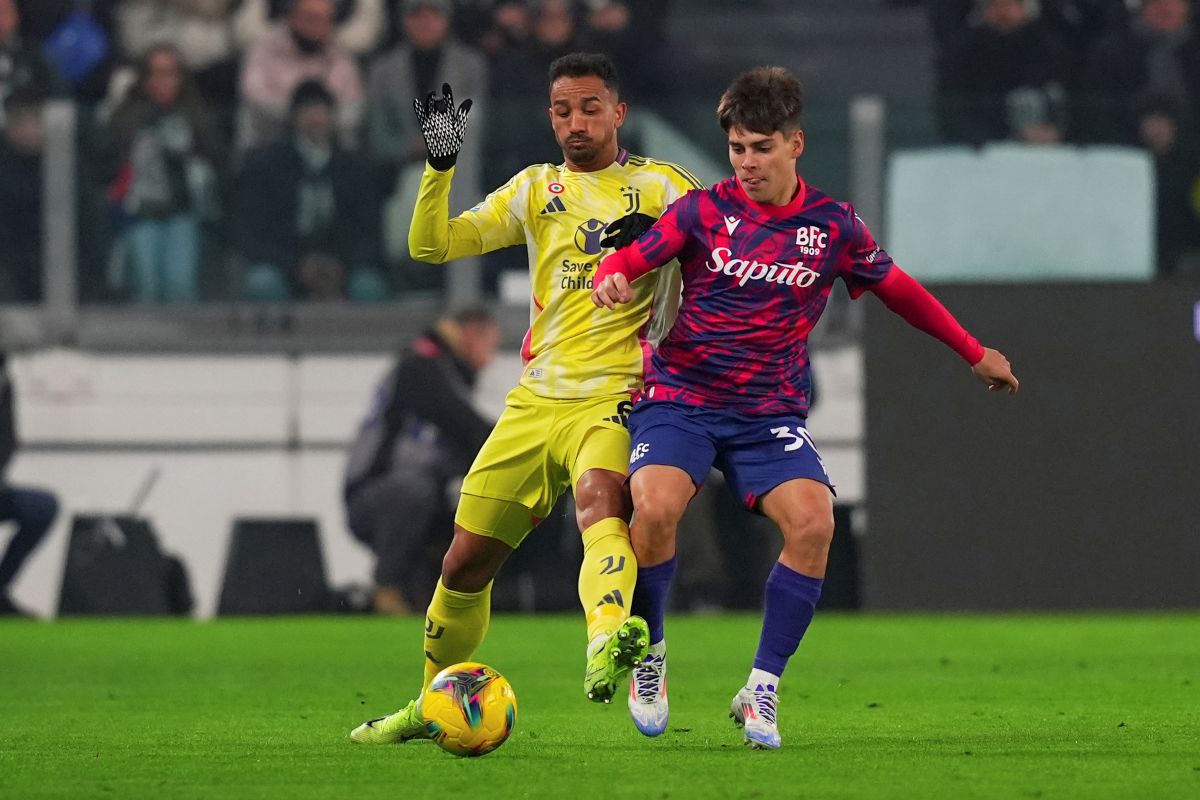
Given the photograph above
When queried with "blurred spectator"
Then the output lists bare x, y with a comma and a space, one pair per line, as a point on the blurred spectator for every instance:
307, 218
519, 86
428, 58
33, 510
522, 71
495, 28
199, 30
421, 434
23, 68
21, 199
1132, 73
21, 228
1003, 79
1176, 153
287, 54
167, 183
632, 35
361, 24
1142, 88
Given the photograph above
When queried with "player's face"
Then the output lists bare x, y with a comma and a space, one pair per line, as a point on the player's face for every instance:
585, 115
765, 165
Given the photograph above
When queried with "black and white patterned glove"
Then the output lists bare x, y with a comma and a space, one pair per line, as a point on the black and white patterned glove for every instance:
626, 230
443, 126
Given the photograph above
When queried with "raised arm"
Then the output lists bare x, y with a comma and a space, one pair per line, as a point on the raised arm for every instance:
433, 237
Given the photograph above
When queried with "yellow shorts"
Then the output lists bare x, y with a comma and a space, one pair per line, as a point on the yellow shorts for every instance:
539, 449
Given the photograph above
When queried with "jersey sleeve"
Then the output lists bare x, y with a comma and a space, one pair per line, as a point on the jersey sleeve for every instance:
865, 263
657, 246
435, 238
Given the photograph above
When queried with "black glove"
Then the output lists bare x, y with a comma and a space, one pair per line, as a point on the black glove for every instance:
626, 230
443, 126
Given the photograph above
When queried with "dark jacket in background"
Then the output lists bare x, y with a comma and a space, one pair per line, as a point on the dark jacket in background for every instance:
267, 203
422, 411
980, 70
1115, 92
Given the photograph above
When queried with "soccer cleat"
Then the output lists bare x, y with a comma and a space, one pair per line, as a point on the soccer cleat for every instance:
755, 711
648, 695
404, 725
609, 661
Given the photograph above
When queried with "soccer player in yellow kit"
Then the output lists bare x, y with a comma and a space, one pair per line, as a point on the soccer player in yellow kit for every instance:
563, 425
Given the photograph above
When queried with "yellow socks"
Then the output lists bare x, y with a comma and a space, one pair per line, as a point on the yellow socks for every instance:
455, 625
607, 576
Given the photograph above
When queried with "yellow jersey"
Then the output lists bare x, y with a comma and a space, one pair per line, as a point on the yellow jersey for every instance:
573, 349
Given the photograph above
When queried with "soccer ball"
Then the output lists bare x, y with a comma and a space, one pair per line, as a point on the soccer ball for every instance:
469, 709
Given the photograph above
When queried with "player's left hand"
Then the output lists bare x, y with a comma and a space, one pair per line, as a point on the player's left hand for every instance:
994, 370
443, 126
612, 290
626, 230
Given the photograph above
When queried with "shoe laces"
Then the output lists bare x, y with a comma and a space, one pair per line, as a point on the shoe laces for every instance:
766, 701
648, 677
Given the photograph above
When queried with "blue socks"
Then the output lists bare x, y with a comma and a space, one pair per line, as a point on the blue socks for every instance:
650, 596
789, 602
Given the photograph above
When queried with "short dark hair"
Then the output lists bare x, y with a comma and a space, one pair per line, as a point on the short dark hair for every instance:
311, 92
473, 315
581, 65
763, 100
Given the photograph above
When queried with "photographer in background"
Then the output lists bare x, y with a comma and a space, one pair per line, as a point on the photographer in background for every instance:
33, 510
421, 434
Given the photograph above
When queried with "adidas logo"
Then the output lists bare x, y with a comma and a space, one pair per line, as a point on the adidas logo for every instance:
612, 598
554, 206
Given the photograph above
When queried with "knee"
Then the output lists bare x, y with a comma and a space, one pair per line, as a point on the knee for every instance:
600, 497
38, 509
468, 568
658, 511
808, 530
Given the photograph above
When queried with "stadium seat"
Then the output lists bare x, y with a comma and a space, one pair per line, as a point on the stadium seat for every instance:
274, 567
959, 215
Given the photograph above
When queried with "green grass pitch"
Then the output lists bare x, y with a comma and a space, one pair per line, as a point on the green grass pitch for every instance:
872, 707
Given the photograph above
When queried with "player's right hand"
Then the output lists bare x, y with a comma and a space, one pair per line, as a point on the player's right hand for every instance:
443, 126
612, 290
994, 370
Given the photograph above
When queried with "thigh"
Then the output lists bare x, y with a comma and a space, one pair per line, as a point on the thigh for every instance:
758, 454
514, 467
591, 434
671, 435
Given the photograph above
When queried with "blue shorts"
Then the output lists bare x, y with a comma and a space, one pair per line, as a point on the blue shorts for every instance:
755, 453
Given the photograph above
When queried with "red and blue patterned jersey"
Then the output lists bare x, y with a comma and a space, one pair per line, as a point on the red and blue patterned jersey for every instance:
755, 281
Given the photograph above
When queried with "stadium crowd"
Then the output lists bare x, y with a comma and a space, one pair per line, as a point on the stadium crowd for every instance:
1123, 72
266, 149
271, 135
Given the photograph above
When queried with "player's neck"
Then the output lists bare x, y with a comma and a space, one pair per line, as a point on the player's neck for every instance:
603, 160
786, 194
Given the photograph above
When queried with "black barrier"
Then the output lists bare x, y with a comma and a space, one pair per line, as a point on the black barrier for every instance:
1081, 492
274, 566
114, 567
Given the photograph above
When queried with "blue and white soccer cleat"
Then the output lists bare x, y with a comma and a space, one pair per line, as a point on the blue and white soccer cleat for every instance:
648, 694
755, 710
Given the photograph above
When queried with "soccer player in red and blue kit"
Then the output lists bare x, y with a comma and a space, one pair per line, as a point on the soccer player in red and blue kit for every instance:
730, 384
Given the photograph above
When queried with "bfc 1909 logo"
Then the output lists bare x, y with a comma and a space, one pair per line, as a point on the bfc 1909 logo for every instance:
811, 240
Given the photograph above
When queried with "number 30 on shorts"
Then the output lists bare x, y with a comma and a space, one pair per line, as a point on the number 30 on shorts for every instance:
794, 440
